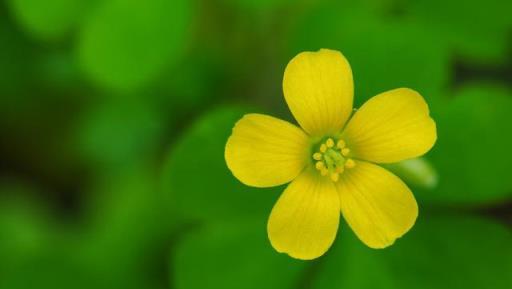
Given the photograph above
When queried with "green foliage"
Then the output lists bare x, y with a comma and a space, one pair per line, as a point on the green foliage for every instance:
417, 172
114, 115
452, 252
124, 45
15, 59
24, 225
472, 152
258, 5
383, 54
33, 249
231, 255
475, 30
50, 19
198, 181
119, 130
129, 225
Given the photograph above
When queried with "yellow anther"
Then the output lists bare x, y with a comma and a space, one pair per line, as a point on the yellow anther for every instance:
324, 172
320, 165
345, 151
323, 148
341, 144
329, 143
317, 156
350, 163
335, 177
340, 169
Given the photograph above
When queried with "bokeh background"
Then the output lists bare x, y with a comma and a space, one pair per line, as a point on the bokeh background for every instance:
114, 115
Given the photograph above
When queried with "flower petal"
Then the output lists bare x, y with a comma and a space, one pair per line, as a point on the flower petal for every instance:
264, 151
376, 204
304, 221
390, 127
319, 90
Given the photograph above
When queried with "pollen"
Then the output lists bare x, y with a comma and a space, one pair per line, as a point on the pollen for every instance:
331, 159
350, 163
324, 172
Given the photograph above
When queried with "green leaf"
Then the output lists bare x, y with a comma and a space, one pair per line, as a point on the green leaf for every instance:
472, 154
129, 226
25, 226
259, 5
201, 76
476, 31
119, 130
196, 177
17, 56
53, 267
124, 45
35, 251
439, 252
48, 19
417, 172
383, 54
231, 256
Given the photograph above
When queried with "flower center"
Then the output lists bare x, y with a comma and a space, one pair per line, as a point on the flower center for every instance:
332, 159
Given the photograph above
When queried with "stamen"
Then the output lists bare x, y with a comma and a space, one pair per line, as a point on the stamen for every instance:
335, 155
350, 163
324, 172
331, 159
317, 156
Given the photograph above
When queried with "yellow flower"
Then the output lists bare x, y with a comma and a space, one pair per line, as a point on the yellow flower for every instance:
332, 161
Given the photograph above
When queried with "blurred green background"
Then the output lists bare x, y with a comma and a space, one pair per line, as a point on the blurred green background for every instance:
114, 115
